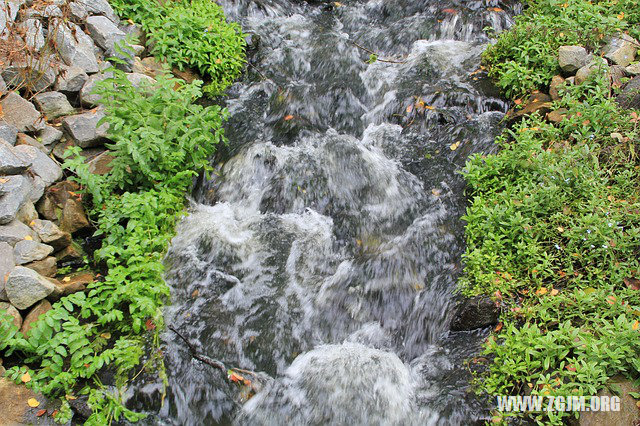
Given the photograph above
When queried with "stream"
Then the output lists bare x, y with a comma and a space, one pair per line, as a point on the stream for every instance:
324, 251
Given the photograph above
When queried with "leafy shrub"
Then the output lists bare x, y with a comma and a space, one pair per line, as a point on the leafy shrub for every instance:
553, 234
161, 139
191, 33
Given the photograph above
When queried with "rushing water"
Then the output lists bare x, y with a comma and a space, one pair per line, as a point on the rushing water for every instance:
325, 251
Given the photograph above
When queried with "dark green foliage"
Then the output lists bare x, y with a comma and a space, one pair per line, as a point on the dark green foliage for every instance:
190, 33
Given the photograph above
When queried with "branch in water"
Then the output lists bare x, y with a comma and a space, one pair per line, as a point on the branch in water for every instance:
391, 61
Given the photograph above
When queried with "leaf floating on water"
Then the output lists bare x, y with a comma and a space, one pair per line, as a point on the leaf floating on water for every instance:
33, 403
454, 146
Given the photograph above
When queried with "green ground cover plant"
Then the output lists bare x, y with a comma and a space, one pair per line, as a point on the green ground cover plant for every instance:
161, 140
553, 224
190, 34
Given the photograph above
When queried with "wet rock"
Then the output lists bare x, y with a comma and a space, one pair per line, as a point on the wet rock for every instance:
49, 233
19, 113
75, 47
71, 79
87, 97
99, 7
11, 310
25, 287
40, 308
538, 102
34, 34
7, 264
555, 84
16, 231
557, 115
74, 283
49, 135
627, 414
104, 32
26, 251
10, 163
72, 253
27, 213
53, 104
16, 191
8, 133
36, 76
13, 405
633, 69
572, 58
476, 312
621, 49
73, 217
50, 207
629, 97
101, 164
41, 164
47, 267
82, 128
149, 66
598, 65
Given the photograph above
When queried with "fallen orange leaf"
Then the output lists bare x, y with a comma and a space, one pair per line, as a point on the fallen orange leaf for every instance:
33, 402
288, 117
41, 413
26, 377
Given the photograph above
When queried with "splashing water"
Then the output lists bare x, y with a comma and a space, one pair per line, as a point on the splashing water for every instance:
325, 251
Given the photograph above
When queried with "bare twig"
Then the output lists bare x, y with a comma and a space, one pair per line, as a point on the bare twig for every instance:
391, 61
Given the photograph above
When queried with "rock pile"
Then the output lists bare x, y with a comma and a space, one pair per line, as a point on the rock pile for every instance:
616, 59
52, 53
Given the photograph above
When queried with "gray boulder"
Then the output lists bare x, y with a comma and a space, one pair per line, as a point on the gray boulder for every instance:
47, 267
87, 97
3, 85
27, 213
7, 263
621, 49
8, 133
20, 113
36, 75
53, 104
49, 135
633, 69
41, 164
99, 7
37, 188
75, 47
8, 13
50, 234
10, 163
104, 32
78, 11
597, 65
17, 190
71, 79
34, 34
26, 251
16, 231
25, 287
629, 98
572, 58
84, 130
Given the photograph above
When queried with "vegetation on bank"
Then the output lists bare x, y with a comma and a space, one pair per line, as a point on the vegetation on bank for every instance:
190, 34
553, 225
160, 140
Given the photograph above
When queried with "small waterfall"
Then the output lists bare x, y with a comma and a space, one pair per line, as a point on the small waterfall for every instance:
325, 250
